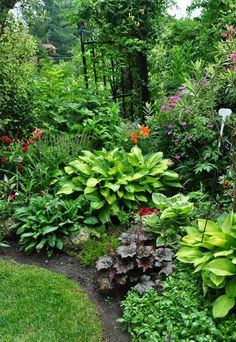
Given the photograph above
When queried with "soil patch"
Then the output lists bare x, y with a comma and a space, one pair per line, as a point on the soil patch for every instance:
109, 307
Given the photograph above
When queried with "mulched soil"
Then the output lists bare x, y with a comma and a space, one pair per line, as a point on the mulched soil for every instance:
108, 307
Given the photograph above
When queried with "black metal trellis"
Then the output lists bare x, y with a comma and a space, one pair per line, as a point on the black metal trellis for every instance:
114, 75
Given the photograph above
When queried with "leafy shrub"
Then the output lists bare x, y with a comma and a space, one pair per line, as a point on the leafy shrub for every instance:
136, 262
114, 181
210, 247
167, 223
180, 313
45, 221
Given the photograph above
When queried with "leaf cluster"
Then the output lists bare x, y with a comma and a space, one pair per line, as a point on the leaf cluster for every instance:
136, 262
114, 181
210, 247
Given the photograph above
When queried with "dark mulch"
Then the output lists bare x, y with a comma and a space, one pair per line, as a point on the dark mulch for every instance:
108, 307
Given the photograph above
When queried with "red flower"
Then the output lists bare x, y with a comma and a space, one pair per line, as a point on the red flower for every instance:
3, 160
147, 211
24, 147
134, 137
29, 142
12, 197
6, 139
42, 193
19, 166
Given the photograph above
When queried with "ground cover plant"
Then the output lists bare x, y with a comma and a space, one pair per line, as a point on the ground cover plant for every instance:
179, 313
54, 307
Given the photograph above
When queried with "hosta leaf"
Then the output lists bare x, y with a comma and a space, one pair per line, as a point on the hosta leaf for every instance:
217, 280
208, 226
97, 205
188, 254
94, 197
111, 199
67, 188
59, 244
139, 175
100, 170
104, 216
230, 288
170, 175
52, 240
222, 306
113, 187
137, 152
172, 184
141, 198
157, 170
223, 253
92, 182
227, 224
49, 229
41, 244
81, 167
69, 170
105, 192
221, 267
129, 188
160, 199
129, 196
89, 190
154, 159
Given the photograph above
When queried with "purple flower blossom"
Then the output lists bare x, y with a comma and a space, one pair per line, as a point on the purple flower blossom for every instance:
182, 87
177, 157
190, 137
183, 123
174, 98
177, 140
168, 133
164, 108
170, 126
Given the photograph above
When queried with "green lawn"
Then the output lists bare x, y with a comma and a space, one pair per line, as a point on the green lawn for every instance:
41, 306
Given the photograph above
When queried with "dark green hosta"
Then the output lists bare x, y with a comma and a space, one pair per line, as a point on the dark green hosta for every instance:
45, 221
213, 253
115, 180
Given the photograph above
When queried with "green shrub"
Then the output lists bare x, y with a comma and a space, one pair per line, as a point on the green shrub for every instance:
45, 221
210, 247
116, 181
180, 313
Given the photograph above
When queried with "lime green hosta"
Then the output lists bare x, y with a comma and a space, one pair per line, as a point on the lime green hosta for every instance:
213, 253
115, 180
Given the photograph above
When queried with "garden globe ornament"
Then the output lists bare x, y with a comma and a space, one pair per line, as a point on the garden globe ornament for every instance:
224, 113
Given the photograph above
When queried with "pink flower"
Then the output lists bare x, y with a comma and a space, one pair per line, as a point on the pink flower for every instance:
233, 56
37, 133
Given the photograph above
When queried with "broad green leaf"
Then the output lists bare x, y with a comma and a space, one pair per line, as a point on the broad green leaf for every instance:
49, 229
129, 196
69, 170
141, 198
137, 152
97, 205
59, 244
105, 192
221, 267
89, 190
216, 280
139, 175
154, 159
104, 216
41, 244
27, 234
101, 170
227, 224
188, 254
157, 170
129, 188
111, 199
167, 213
67, 188
160, 199
203, 259
173, 184
52, 240
216, 240
230, 288
222, 306
223, 253
209, 226
113, 187
92, 182
81, 167
94, 197
192, 239
170, 175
